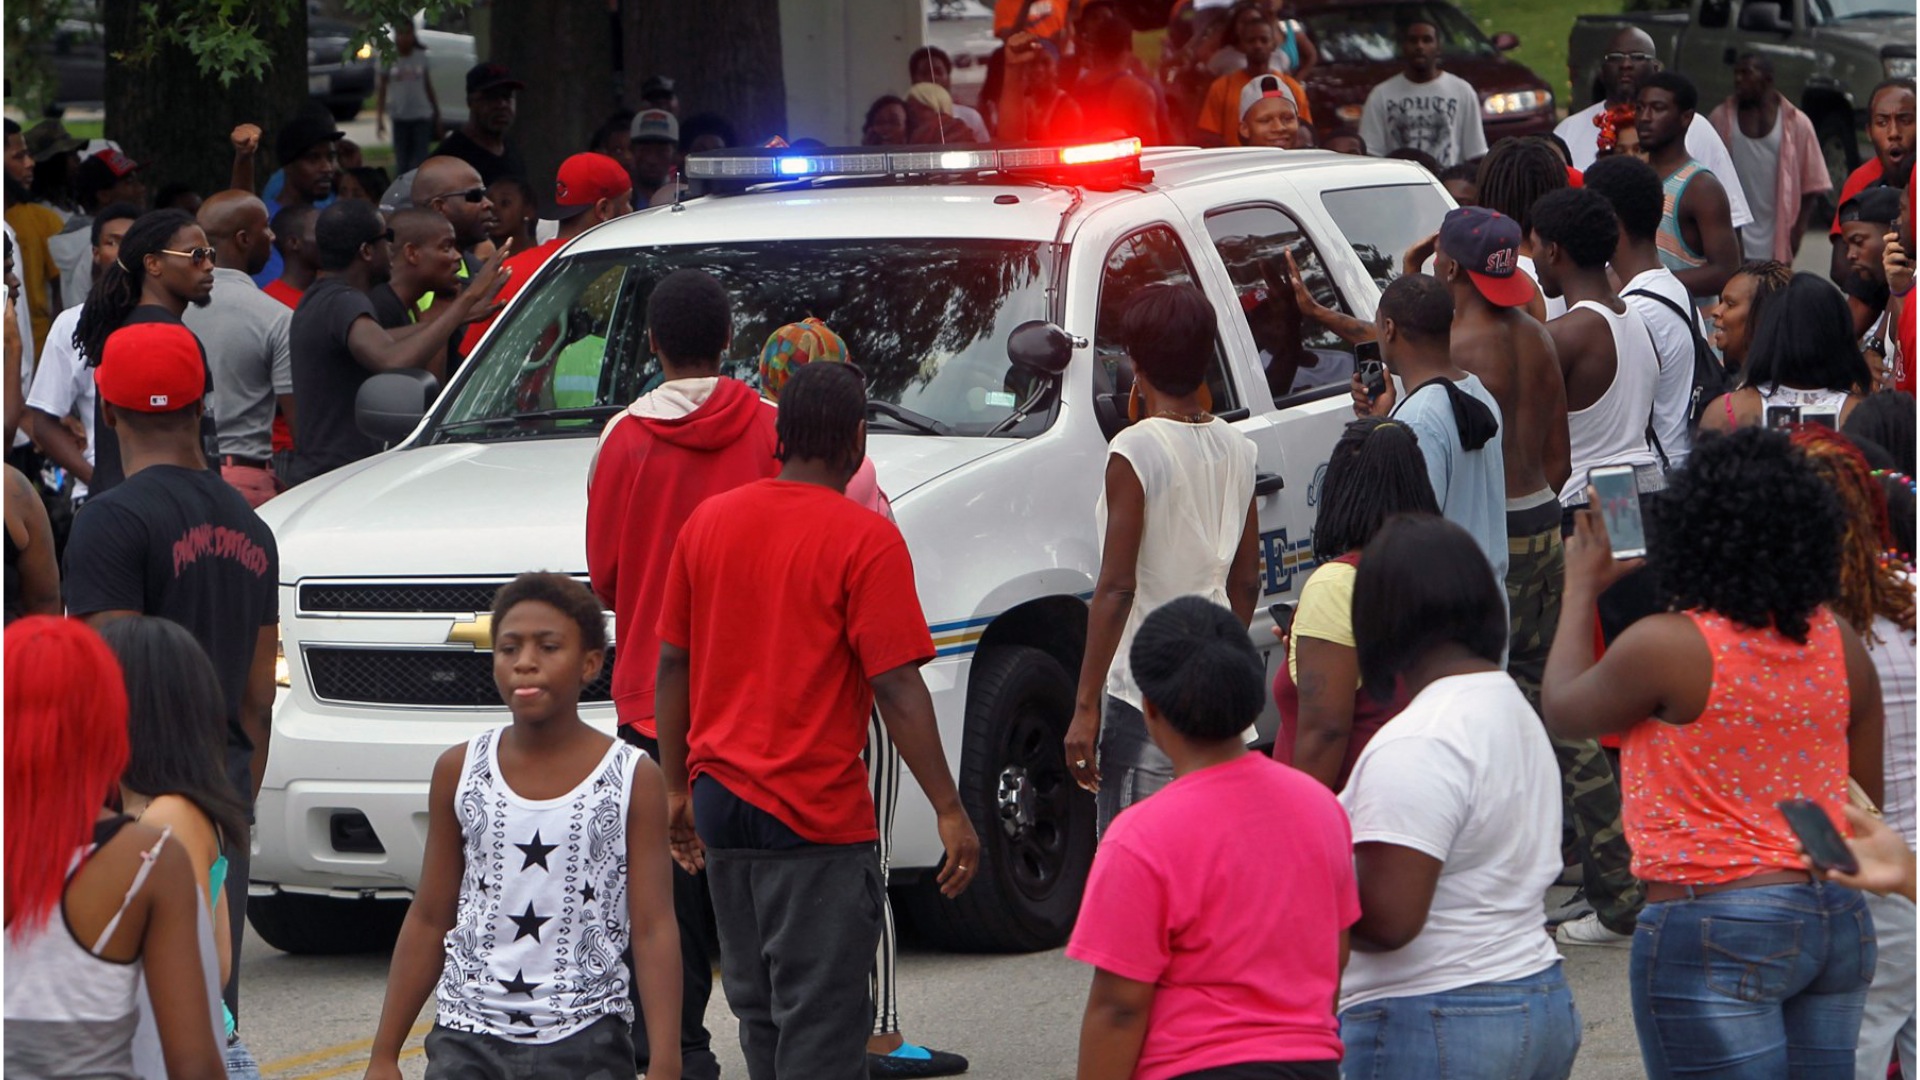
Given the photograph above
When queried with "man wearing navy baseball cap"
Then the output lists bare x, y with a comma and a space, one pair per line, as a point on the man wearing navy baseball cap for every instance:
175, 540
482, 140
1493, 338
589, 188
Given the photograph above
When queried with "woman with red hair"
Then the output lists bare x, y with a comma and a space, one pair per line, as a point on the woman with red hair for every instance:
1876, 599
94, 902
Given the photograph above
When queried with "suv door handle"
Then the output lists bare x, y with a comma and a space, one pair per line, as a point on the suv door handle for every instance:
1267, 483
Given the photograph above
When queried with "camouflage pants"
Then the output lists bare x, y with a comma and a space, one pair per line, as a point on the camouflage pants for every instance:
1536, 569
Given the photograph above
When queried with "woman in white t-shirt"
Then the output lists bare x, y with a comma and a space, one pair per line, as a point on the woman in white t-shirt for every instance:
1178, 519
1455, 807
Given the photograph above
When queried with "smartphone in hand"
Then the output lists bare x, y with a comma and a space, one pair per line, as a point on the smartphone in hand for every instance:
1282, 615
1618, 500
1373, 370
1824, 845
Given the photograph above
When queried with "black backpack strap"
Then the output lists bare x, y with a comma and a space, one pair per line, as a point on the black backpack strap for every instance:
1693, 328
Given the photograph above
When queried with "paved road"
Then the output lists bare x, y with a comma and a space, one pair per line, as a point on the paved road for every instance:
1015, 1016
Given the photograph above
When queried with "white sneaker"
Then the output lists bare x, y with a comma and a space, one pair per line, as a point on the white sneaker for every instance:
1588, 930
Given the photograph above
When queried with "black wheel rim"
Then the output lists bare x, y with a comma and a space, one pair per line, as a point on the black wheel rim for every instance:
1035, 802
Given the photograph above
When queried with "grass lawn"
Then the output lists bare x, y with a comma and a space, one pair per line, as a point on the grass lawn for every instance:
1542, 26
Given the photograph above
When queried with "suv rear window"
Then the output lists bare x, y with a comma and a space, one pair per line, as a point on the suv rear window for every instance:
1383, 222
926, 319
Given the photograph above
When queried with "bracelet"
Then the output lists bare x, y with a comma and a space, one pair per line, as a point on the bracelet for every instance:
1904, 293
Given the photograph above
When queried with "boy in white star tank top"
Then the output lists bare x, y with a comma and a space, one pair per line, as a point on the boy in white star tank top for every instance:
546, 853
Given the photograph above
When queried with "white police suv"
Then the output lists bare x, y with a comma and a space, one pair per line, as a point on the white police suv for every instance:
980, 288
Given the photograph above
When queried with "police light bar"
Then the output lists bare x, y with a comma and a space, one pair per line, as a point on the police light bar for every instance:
787, 163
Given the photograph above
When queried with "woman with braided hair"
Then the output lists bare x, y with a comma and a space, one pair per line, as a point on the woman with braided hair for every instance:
1876, 599
1738, 312
165, 263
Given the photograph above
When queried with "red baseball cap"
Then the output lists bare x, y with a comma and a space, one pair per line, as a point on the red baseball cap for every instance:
585, 179
151, 368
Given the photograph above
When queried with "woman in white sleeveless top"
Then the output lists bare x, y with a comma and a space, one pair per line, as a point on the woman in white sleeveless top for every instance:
1178, 518
1803, 354
94, 901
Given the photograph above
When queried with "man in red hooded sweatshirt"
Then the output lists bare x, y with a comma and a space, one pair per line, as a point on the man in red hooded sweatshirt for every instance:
694, 436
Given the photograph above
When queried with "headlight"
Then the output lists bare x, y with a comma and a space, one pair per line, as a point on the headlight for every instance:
1521, 101
282, 672
1350, 113
1897, 67
364, 52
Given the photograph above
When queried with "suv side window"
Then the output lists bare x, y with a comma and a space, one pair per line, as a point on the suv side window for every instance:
1299, 355
1383, 222
1151, 256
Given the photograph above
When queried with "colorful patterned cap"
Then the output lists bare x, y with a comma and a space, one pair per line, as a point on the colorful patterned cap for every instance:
793, 345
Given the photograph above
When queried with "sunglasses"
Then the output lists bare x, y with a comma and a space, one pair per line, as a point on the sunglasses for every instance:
387, 236
472, 195
201, 256
1623, 57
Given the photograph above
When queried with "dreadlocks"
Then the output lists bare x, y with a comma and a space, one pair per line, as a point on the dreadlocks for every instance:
1516, 173
820, 414
1374, 474
118, 291
1870, 583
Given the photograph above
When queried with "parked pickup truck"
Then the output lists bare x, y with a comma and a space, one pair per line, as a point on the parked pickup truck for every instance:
1828, 55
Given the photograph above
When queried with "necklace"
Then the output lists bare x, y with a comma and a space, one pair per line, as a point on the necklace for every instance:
1200, 417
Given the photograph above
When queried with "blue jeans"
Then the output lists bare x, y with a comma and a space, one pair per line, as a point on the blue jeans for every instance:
1131, 766
240, 1063
1525, 1029
1761, 982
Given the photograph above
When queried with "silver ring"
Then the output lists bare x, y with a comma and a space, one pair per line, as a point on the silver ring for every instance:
1080, 763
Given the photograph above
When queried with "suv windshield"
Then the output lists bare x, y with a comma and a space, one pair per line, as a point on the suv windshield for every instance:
926, 319
1365, 32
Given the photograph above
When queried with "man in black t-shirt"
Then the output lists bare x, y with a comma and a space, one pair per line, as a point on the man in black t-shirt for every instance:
426, 261
174, 540
337, 340
482, 140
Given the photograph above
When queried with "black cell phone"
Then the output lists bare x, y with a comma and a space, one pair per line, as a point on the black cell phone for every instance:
1830, 421
1619, 505
1824, 845
1779, 416
1373, 370
1282, 615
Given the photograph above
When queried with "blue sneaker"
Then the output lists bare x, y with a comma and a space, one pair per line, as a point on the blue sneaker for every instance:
911, 1060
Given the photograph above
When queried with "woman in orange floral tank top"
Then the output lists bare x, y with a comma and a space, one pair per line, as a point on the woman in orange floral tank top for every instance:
1748, 691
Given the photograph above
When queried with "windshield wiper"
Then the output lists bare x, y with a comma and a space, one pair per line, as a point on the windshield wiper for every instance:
926, 425
492, 423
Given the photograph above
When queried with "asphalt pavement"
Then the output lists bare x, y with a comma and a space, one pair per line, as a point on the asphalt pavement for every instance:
1014, 1016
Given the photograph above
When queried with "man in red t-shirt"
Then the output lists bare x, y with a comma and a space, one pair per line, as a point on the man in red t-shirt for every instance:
790, 612
1890, 124
694, 436
589, 188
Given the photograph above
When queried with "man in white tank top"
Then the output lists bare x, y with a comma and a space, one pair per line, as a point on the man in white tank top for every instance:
1611, 373
1633, 189
1605, 351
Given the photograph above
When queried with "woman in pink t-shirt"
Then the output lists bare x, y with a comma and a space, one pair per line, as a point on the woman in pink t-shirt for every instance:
1217, 912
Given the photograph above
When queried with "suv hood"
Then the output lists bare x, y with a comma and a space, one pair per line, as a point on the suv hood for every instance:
486, 508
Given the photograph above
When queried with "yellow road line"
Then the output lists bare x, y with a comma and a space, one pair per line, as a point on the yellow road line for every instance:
354, 1068
285, 1065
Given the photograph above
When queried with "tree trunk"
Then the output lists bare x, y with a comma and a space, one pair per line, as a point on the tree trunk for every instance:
723, 55
563, 51
175, 121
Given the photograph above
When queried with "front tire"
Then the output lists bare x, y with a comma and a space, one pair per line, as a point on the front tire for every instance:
1035, 824
324, 926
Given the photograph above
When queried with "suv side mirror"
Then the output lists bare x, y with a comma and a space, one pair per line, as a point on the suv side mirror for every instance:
1040, 348
1505, 41
1763, 17
389, 405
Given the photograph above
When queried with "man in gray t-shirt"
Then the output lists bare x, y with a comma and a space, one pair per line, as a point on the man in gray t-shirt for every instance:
245, 334
1455, 418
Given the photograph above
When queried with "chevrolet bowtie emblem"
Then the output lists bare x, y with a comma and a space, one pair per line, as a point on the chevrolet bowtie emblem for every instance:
477, 632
